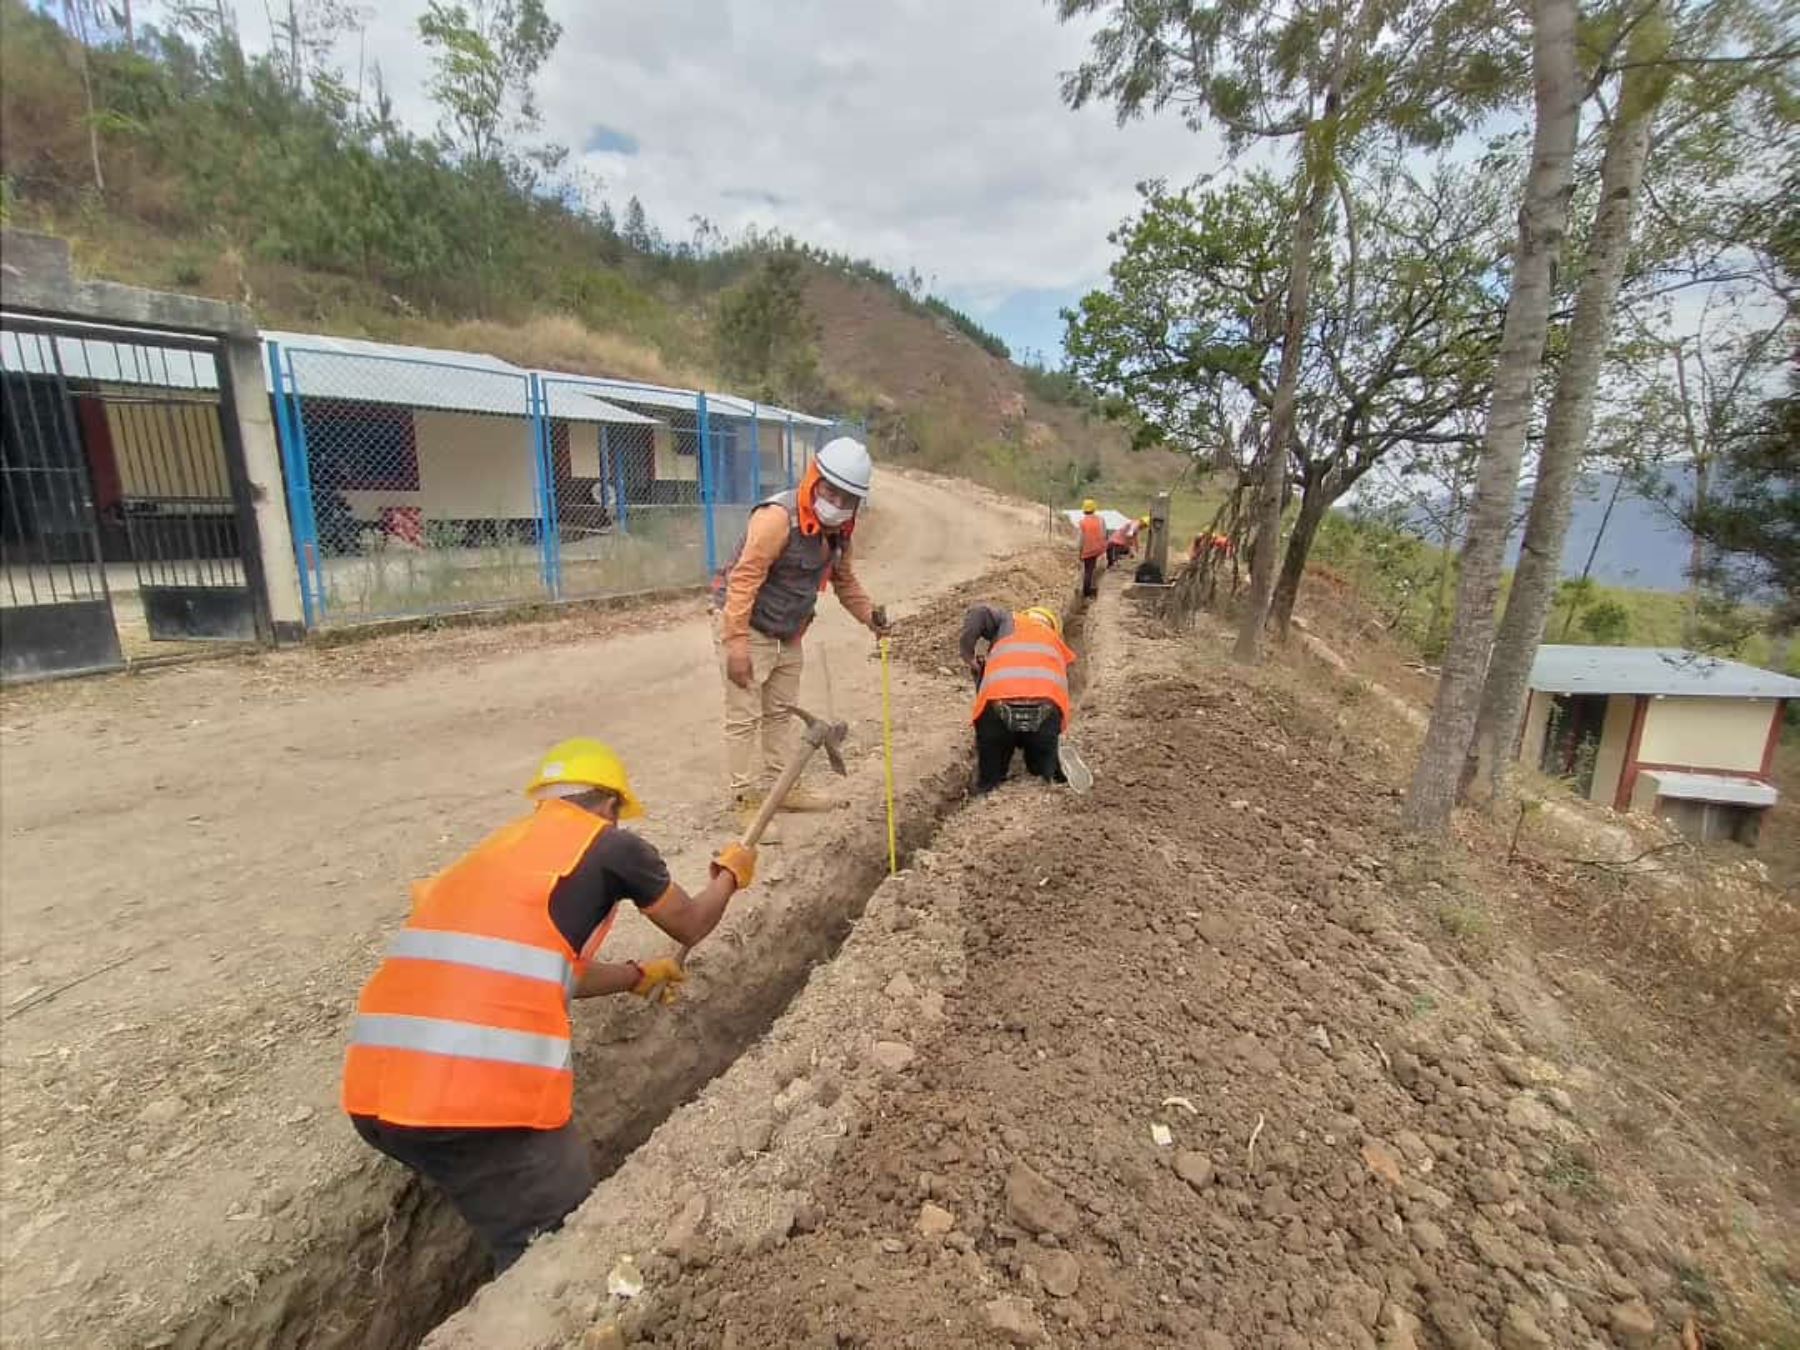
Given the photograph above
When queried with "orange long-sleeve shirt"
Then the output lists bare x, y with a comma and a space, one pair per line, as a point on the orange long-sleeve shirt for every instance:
764, 538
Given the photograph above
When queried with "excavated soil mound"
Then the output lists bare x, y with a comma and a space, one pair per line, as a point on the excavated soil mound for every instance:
1206, 951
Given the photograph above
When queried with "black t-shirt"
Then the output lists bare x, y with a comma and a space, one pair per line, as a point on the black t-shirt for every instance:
617, 866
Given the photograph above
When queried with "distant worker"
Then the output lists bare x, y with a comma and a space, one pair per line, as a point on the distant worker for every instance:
1093, 547
459, 1064
1021, 690
795, 544
1219, 545
1122, 543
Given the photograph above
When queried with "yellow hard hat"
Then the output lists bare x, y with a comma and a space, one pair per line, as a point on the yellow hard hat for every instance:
1143, 520
1089, 506
1045, 615
587, 763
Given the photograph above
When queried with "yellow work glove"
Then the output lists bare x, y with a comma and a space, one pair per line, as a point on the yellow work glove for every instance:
737, 860
659, 979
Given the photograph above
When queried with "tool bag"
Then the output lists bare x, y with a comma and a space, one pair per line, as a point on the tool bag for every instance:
1023, 718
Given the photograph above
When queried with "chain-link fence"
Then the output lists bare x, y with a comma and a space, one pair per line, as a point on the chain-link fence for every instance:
421, 482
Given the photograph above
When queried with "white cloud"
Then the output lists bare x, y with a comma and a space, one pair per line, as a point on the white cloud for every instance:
919, 133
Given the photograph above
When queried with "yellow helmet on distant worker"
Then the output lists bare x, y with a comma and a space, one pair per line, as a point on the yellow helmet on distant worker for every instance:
1089, 506
584, 762
1045, 615
1143, 520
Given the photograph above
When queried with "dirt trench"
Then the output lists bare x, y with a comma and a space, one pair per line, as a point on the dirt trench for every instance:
952, 1137
383, 1259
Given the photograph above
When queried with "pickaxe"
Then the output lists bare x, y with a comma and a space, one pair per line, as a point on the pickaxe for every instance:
817, 734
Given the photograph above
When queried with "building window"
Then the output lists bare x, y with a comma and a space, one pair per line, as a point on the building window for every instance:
360, 447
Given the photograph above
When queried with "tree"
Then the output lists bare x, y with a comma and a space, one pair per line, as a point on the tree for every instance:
636, 229
1182, 344
765, 333
1643, 86
1751, 520
1543, 219
1327, 79
484, 57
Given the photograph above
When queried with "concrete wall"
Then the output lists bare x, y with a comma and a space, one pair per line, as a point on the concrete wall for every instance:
1707, 733
1615, 740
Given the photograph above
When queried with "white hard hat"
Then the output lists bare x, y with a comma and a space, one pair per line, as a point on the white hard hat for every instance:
844, 463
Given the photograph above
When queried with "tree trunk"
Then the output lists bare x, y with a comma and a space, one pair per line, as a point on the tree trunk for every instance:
1281, 415
1698, 457
1315, 501
1571, 415
78, 26
1543, 219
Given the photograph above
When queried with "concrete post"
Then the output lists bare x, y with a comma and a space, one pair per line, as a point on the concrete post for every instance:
262, 466
1156, 552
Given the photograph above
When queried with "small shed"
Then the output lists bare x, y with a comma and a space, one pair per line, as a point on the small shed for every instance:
1661, 730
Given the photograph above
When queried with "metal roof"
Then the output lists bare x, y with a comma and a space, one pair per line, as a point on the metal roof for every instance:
1712, 787
426, 377
384, 372
1653, 670
685, 400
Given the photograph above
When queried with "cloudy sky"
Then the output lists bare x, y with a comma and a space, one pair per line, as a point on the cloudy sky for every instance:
924, 134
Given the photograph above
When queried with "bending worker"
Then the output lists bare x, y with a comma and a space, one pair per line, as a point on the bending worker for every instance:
1122, 543
1021, 690
1093, 546
459, 1063
764, 598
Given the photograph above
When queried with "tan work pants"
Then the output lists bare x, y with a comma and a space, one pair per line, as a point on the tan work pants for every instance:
758, 719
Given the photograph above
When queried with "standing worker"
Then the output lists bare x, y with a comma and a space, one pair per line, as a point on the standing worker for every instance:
1093, 547
1021, 690
764, 598
459, 1063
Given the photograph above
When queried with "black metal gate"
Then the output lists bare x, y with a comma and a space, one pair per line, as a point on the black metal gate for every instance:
125, 510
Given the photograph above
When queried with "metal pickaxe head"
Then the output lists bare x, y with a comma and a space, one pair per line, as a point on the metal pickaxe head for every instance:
826, 736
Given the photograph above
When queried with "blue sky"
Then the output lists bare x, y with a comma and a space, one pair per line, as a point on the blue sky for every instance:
925, 134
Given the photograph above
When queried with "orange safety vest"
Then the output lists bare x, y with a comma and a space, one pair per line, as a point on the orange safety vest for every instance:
1093, 537
465, 1024
1031, 662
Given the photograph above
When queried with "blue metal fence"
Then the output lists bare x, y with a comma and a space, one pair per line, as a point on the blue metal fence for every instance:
423, 482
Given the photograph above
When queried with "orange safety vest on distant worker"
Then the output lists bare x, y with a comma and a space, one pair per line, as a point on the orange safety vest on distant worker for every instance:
1031, 662
1093, 537
465, 1024
1125, 536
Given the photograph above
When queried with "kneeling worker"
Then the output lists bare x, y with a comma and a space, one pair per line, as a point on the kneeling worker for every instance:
1022, 690
459, 1063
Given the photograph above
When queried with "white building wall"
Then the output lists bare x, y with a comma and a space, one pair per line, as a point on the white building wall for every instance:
1707, 733
1615, 740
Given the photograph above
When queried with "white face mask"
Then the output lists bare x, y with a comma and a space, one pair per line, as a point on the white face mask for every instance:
830, 514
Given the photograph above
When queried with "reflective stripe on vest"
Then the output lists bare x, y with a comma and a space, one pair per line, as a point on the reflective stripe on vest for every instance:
465, 1024
1031, 662
484, 953
460, 1040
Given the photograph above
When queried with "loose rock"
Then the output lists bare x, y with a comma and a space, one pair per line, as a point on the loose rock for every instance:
1058, 1271
1633, 1323
1014, 1320
935, 1221
1036, 1205
1194, 1168
891, 1056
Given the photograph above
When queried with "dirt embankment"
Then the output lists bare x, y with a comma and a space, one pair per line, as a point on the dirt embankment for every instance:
1385, 1126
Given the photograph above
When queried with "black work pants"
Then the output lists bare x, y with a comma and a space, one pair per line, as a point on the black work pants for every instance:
509, 1185
996, 739
1089, 587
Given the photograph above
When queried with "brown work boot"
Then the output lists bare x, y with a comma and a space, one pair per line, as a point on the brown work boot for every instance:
804, 799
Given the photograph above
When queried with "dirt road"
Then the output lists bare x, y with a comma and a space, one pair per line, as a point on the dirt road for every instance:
216, 852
